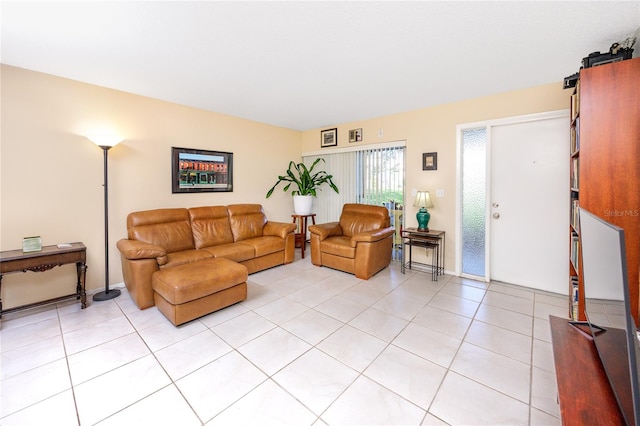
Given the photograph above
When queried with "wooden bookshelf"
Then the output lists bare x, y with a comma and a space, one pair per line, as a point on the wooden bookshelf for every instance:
576, 295
606, 153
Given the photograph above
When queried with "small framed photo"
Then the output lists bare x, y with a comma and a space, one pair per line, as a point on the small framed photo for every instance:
355, 135
30, 244
328, 137
199, 170
430, 161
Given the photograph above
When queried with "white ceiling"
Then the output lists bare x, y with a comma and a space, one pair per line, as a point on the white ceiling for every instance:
305, 65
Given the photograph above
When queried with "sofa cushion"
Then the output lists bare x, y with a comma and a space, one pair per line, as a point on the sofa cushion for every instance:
186, 256
356, 218
167, 228
233, 251
210, 226
247, 221
263, 246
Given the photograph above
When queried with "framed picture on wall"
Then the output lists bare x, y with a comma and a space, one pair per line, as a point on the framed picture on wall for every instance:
198, 170
430, 161
328, 137
355, 135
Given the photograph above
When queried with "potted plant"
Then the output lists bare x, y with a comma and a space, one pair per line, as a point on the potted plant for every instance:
307, 183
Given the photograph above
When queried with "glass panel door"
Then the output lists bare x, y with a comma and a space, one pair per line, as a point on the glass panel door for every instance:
474, 144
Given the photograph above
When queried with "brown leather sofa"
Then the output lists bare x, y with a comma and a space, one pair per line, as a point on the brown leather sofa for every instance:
167, 238
360, 243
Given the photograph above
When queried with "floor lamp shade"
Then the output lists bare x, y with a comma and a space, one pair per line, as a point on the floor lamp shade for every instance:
423, 200
106, 143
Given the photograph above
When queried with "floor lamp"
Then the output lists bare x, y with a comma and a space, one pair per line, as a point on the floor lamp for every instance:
106, 143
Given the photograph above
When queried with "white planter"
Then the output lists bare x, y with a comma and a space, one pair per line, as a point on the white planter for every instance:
302, 204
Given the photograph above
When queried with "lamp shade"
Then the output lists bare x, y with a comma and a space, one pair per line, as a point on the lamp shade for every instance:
104, 139
423, 199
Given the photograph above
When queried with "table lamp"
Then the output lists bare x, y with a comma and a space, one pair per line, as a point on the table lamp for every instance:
423, 200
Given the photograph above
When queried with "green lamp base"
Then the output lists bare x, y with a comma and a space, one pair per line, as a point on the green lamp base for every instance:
423, 217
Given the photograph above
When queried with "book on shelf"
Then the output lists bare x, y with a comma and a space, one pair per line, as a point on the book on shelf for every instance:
575, 217
575, 174
575, 137
575, 246
574, 106
577, 128
575, 293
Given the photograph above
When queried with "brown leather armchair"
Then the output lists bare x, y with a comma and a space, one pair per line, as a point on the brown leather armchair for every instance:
360, 243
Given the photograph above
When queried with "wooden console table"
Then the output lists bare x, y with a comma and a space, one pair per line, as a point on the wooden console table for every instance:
47, 258
301, 232
584, 392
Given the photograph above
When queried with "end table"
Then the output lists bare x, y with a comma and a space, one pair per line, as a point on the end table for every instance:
301, 232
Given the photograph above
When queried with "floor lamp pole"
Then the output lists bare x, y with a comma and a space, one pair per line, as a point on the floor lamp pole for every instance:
107, 294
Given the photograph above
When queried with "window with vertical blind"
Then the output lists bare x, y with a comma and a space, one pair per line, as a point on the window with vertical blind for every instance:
372, 174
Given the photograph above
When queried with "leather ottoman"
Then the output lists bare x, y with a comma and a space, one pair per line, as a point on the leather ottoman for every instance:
189, 291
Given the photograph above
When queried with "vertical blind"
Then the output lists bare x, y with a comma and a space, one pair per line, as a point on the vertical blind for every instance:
366, 176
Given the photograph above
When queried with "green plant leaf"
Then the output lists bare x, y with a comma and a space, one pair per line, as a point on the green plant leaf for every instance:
305, 182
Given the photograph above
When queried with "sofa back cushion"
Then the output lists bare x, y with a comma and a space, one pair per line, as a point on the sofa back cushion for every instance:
167, 228
210, 226
356, 218
247, 221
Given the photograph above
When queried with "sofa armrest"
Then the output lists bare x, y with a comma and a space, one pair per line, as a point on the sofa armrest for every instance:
137, 250
326, 230
372, 236
278, 229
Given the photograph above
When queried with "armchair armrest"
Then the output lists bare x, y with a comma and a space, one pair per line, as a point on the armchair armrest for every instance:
136, 250
372, 236
278, 229
326, 230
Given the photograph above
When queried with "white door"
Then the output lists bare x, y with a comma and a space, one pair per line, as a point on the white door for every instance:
529, 204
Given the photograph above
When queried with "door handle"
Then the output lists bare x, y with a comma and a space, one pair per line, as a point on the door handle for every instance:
496, 215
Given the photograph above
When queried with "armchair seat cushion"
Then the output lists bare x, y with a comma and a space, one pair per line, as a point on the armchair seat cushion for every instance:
339, 246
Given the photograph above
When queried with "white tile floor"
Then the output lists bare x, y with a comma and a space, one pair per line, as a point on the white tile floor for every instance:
309, 346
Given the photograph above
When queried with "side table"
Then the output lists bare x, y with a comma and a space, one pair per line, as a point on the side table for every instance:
47, 258
431, 239
301, 233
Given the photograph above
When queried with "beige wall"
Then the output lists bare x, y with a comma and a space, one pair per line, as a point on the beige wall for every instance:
51, 175
434, 130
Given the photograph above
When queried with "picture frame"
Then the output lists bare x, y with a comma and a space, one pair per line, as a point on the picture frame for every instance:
355, 135
199, 170
328, 137
430, 161
31, 244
